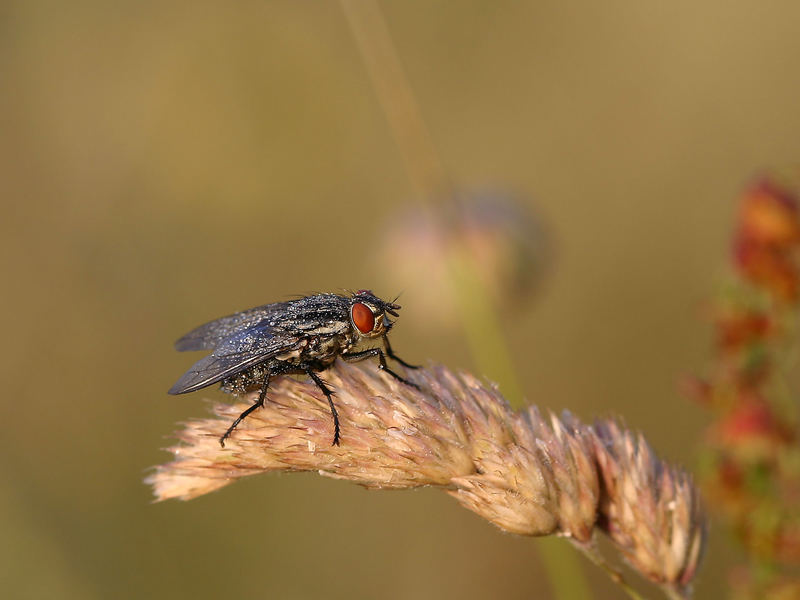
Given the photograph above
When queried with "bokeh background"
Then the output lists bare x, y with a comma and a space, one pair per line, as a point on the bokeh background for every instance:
165, 163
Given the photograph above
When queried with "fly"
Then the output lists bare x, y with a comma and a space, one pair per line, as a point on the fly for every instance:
306, 335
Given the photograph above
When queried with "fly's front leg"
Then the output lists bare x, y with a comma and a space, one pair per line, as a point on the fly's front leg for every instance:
358, 356
390, 353
329, 395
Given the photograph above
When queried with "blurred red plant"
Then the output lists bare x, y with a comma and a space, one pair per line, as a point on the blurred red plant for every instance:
752, 461
766, 240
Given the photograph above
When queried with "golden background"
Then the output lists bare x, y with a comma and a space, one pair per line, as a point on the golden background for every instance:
166, 163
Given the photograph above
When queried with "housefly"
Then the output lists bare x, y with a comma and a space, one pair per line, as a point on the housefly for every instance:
305, 335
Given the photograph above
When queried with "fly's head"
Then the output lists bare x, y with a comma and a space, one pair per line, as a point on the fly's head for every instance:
369, 315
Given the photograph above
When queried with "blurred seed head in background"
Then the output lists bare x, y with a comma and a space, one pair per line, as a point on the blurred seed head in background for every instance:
505, 242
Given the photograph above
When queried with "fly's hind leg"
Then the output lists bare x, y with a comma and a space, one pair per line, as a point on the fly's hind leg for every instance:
329, 395
258, 404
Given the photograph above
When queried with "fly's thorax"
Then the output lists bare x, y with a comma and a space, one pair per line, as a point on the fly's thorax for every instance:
294, 354
318, 349
326, 349
315, 351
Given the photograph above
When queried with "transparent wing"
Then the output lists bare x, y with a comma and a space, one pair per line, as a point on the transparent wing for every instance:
209, 335
234, 355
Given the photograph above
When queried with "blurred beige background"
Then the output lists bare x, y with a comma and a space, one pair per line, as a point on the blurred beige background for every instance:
165, 163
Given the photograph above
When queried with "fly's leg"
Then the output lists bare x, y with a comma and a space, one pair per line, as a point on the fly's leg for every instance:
359, 356
329, 395
390, 353
258, 404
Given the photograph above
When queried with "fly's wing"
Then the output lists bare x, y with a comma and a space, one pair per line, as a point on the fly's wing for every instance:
210, 335
234, 355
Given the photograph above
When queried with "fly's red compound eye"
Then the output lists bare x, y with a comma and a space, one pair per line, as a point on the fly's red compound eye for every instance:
362, 317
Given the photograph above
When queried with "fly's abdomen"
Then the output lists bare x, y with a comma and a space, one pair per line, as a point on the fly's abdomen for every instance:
247, 380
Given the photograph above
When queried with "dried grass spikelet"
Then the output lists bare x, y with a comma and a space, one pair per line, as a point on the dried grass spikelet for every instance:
651, 510
526, 474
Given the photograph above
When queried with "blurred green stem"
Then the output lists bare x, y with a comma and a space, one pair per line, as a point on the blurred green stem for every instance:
427, 173
482, 328
423, 165
590, 551
493, 358
565, 575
